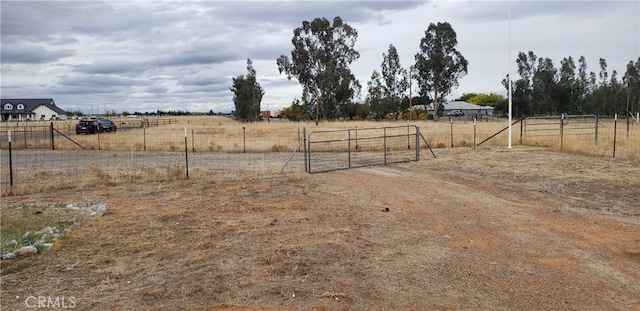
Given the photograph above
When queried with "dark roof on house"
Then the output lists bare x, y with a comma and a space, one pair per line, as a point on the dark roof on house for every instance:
29, 105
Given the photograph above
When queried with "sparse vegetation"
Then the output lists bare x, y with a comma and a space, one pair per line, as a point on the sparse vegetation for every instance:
225, 137
494, 222
18, 220
221, 134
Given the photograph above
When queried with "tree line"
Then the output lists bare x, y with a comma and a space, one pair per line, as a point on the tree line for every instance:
323, 50
543, 89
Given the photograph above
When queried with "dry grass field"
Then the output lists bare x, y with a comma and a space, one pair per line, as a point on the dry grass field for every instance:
492, 228
221, 134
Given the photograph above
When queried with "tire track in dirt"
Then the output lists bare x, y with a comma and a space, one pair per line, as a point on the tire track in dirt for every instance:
520, 247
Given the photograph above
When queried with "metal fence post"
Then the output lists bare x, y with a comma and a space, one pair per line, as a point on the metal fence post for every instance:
307, 165
10, 160
186, 156
349, 147
417, 143
615, 129
451, 121
53, 145
144, 136
561, 131
521, 130
475, 131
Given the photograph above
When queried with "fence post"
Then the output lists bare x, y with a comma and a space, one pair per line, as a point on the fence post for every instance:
193, 142
451, 121
521, 130
53, 145
561, 131
474, 133
186, 156
418, 143
307, 165
615, 129
144, 137
244, 140
349, 146
10, 160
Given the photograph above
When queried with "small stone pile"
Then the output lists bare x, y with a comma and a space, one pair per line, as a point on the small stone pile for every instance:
42, 240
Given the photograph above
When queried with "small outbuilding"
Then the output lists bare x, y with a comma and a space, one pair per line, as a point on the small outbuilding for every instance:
31, 110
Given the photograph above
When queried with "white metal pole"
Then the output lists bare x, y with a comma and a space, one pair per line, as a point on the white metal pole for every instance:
510, 101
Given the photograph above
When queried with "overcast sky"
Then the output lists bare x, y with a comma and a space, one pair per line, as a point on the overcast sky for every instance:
95, 56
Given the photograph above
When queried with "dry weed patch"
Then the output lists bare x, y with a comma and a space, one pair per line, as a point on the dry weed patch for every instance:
469, 230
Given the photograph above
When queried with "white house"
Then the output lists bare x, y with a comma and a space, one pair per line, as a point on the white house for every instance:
468, 109
30, 110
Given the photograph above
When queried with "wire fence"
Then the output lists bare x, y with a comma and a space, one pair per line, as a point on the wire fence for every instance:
171, 149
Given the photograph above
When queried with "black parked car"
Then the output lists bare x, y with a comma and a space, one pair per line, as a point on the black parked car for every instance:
107, 125
88, 127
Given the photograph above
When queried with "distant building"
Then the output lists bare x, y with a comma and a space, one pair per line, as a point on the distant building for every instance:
30, 110
467, 108
265, 114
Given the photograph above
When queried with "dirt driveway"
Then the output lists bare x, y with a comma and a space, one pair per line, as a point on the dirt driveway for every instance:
493, 229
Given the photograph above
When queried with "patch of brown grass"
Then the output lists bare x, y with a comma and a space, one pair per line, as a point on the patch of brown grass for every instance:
322, 242
222, 134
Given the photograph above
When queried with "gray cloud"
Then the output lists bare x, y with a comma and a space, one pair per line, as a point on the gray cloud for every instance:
149, 55
32, 54
108, 66
157, 89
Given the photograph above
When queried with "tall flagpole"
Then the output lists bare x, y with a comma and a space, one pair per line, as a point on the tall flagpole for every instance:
510, 102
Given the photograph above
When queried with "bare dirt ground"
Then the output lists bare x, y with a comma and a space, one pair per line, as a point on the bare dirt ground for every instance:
493, 229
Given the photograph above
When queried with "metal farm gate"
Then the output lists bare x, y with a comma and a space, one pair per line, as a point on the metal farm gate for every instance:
329, 150
554, 128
